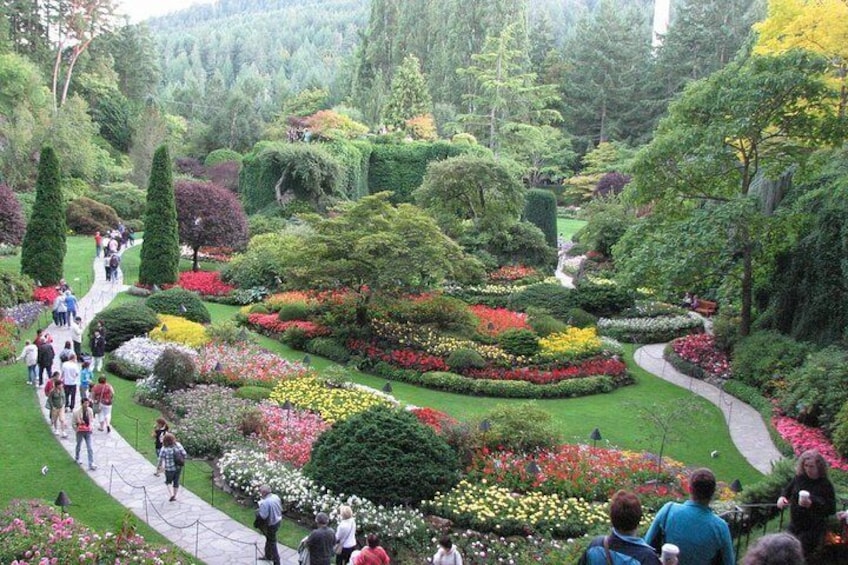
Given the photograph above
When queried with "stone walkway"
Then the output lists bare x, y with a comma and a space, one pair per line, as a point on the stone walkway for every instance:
747, 429
190, 523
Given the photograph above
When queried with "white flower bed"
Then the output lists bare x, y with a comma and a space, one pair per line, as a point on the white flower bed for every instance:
247, 469
144, 352
649, 330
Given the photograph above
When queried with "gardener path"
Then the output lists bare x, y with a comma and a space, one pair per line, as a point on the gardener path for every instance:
747, 429
190, 523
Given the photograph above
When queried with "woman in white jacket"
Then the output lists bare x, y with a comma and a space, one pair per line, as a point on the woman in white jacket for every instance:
447, 554
345, 535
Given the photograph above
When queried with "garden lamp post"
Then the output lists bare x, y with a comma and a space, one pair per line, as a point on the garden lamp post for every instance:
595, 437
183, 309
287, 406
164, 328
485, 426
736, 486
533, 468
63, 501
218, 367
387, 388
307, 359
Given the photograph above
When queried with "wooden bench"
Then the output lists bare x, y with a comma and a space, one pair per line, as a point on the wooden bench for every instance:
706, 307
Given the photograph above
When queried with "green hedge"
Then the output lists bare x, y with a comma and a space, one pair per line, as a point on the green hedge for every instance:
354, 157
541, 211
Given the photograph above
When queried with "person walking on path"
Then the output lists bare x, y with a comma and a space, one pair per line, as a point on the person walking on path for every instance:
98, 349
171, 460
70, 380
71, 304
345, 535
45, 360
85, 380
102, 395
29, 356
76, 336
159, 435
98, 244
82, 422
56, 402
270, 514
60, 310
321, 541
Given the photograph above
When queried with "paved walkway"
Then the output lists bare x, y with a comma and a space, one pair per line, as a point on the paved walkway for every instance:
190, 523
747, 429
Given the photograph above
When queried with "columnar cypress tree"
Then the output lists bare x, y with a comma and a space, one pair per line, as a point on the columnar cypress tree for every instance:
43, 249
540, 211
160, 253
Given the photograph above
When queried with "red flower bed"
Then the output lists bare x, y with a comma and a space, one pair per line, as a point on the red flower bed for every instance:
404, 358
540, 376
495, 321
433, 418
803, 437
273, 324
510, 273
700, 350
206, 283
45, 294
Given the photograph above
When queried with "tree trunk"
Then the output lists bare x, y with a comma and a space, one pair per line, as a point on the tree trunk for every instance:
747, 290
194, 266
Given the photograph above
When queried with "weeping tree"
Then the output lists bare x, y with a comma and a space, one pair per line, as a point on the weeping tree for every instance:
44, 246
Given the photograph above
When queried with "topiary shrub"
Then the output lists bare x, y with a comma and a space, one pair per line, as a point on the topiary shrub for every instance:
44, 244
817, 391
124, 322
540, 210
86, 216
544, 324
602, 299
519, 342
12, 221
293, 311
462, 359
523, 427
175, 370
765, 358
221, 156
329, 348
385, 455
551, 297
580, 318
174, 300
521, 242
160, 254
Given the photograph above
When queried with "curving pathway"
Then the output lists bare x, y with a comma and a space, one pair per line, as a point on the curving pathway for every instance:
190, 523
747, 429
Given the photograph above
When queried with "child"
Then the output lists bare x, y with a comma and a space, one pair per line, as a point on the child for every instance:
85, 379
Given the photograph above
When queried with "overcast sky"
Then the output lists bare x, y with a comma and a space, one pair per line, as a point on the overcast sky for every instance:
139, 10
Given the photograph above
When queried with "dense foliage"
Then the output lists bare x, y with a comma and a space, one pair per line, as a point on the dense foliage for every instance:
179, 302
43, 248
160, 254
86, 216
124, 322
12, 221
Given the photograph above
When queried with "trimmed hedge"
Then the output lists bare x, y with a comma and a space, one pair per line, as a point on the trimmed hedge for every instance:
257, 393
124, 322
649, 330
540, 210
173, 300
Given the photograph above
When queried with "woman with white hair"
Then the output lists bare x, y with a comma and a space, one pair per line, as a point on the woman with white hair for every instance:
345, 535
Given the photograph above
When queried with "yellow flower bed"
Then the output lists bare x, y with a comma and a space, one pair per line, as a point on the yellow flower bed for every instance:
333, 404
574, 342
275, 301
180, 330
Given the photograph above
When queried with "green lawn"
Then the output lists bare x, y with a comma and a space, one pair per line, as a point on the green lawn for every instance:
567, 227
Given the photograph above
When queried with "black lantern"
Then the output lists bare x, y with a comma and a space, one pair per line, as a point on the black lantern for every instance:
595, 437
63, 501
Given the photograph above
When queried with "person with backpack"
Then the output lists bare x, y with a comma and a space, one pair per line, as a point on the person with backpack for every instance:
98, 348
114, 266
622, 546
102, 395
172, 459
83, 419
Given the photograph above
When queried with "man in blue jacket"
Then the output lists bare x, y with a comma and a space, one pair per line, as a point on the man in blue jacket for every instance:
622, 546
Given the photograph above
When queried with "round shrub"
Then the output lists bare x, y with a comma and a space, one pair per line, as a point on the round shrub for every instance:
174, 300
519, 342
257, 393
86, 216
544, 324
520, 427
763, 358
443, 312
580, 318
295, 338
128, 201
602, 299
293, 311
462, 359
551, 297
385, 455
817, 391
221, 156
124, 322
175, 370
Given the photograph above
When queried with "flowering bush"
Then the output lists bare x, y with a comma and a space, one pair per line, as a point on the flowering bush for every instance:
24, 315
700, 350
405, 358
333, 404
436, 419
205, 283
32, 532
494, 321
541, 375
271, 323
289, 434
803, 437
509, 273
650, 329
208, 419
244, 365
45, 294
248, 469
570, 344
275, 301
143, 352
426, 339
179, 330
8, 331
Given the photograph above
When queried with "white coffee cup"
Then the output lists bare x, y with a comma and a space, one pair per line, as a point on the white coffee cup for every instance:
803, 495
670, 553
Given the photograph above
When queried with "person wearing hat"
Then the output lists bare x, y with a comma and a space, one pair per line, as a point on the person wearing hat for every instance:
321, 541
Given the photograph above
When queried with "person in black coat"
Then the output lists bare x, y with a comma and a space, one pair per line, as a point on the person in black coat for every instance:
45, 360
98, 350
811, 500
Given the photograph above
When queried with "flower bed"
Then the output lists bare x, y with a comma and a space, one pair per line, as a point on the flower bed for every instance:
435, 419
8, 336
244, 365
143, 352
208, 418
32, 532
495, 321
697, 356
45, 294
426, 339
333, 404
657, 329
289, 434
205, 283
24, 315
179, 330
573, 343
404, 358
275, 301
803, 437
540, 375
270, 323
511, 273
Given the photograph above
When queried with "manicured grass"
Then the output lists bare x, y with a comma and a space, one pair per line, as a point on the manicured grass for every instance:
568, 227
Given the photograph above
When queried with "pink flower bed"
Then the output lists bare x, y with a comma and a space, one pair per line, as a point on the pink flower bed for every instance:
404, 358
540, 376
229, 365
700, 350
509, 273
273, 324
803, 437
495, 321
45, 294
289, 434
436, 419
205, 283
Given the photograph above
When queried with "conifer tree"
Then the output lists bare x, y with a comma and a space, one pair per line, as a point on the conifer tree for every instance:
160, 254
43, 249
409, 97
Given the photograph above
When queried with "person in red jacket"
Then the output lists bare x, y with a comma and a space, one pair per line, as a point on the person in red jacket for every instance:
373, 554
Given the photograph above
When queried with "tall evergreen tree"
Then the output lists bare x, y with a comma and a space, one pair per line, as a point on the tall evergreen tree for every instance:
160, 254
44, 246
409, 97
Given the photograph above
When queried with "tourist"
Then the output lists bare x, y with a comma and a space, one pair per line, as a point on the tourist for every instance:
159, 432
114, 267
703, 537
46, 355
345, 535
447, 553
270, 514
811, 500
85, 379
56, 402
102, 394
60, 310
321, 541
29, 356
171, 460
775, 549
372, 554
76, 336
98, 244
70, 378
71, 304
98, 349
82, 421
623, 543
66, 352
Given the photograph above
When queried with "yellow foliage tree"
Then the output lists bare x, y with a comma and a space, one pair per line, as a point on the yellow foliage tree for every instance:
820, 26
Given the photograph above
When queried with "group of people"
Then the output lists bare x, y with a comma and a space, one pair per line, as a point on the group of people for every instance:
109, 246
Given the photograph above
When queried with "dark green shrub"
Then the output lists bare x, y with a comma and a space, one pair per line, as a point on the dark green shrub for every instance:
14, 289
86, 216
726, 330
385, 455
126, 370
443, 312
180, 302
521, 427
544, 324
295, 338
766, 357
609, 218
541, 210
175, 370
840, 431
461, 359
160, 254
293, 311
329, 348
551, 297
523, 243
124, 322
44, 246
400, 167
257, 393
125, 198
602, 299
259, 224
519, 342
816, 391
221, 156
580, 318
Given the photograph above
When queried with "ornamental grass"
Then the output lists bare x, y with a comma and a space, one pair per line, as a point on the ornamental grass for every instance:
332, 404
